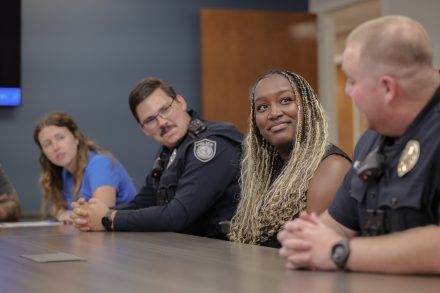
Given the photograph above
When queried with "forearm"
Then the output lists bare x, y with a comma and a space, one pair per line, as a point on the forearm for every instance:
142, 200
168, 218
106, 194
56, 210
409, 252
146, 197
327, 220
9, 210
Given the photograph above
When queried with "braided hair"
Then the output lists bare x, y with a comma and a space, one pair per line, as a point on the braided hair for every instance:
266, 202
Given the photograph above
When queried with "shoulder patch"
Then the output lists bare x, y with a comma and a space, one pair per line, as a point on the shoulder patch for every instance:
204, 150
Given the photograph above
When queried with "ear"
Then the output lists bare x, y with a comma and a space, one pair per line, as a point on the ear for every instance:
181, 102
389, 86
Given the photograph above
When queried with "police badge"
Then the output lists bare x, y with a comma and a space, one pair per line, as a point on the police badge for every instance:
408, 158
204, 150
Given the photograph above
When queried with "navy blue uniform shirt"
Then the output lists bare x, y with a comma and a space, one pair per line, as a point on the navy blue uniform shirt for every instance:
406, 201
198, 187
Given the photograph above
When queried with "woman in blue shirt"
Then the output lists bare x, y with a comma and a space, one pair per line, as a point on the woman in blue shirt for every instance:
74, 167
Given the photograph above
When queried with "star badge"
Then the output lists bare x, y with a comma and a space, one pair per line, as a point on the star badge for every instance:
408, 158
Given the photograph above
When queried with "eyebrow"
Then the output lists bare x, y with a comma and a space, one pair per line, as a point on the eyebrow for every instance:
290, 90
147, 119
160, 109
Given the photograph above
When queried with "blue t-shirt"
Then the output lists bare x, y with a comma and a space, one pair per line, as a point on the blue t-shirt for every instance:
100, 171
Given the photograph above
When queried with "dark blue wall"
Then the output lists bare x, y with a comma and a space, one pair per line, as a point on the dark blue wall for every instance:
84, 56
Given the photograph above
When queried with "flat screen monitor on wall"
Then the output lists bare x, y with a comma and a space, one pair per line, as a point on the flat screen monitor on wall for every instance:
10, 30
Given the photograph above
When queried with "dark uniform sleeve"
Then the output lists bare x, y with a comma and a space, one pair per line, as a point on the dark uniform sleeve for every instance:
438, 209
199, 187
146, 197
344, 208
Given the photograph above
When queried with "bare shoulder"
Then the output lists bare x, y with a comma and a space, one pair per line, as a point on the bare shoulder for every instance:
325, 182
333, 164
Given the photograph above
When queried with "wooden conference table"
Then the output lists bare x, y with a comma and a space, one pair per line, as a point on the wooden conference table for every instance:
169, 262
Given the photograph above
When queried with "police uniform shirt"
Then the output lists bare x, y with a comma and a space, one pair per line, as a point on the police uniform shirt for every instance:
197, 189
398, 200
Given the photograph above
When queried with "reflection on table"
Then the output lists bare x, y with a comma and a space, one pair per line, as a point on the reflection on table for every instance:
126, 262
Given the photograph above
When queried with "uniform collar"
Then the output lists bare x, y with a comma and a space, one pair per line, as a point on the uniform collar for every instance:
414, 128
431, 107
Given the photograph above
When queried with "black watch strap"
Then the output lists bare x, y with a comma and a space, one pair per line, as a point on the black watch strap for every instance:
106, 221
340, 253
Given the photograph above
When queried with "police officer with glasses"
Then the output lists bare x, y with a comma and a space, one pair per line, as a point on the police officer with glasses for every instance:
192, 187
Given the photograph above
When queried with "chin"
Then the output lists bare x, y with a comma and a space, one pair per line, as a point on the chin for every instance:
282, 143
170, 143
281, 139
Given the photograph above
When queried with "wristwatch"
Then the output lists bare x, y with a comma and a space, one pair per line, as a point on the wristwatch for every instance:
340, 253
106, 221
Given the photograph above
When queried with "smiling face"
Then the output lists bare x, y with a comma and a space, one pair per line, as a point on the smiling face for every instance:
59, 145
276, 112
169, 127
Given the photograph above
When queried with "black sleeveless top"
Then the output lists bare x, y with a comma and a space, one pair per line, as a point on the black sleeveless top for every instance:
272, 241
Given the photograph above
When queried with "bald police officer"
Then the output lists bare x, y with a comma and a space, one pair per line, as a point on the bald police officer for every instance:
392, 193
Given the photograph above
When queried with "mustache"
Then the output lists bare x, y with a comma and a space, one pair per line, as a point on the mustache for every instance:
165, 128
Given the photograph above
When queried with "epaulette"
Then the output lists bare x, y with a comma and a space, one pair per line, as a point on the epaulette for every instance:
196, 127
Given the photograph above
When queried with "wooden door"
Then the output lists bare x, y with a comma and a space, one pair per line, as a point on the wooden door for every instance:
344, 114
238, 46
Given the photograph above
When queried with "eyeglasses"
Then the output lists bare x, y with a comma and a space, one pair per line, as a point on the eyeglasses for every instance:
151, 122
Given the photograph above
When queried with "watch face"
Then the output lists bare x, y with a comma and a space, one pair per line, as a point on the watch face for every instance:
338, 253
106, 222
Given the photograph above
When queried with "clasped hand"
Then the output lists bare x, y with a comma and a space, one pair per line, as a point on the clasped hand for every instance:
307, 242
87, 216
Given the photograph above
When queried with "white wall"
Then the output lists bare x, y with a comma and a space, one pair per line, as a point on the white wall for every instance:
424, 11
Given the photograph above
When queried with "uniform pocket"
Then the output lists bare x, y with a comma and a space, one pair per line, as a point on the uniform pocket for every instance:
402, 194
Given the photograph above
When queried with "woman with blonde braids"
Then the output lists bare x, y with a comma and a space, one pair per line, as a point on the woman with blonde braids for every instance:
288, 164
74, 167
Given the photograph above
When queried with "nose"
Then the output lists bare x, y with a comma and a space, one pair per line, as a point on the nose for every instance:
274, 113
161, 121
55, 146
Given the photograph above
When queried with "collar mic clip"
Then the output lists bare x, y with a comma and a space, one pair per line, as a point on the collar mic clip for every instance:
374, 164
195, 127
